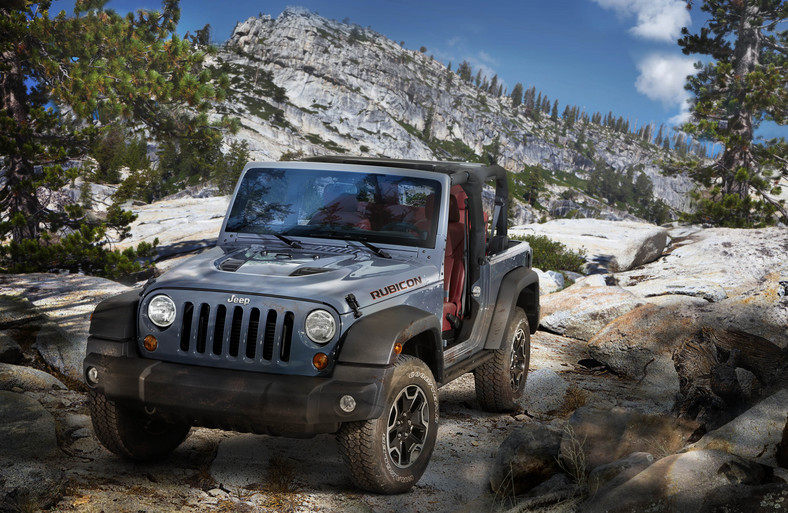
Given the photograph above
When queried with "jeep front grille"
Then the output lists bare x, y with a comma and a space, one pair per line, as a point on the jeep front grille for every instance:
236, 331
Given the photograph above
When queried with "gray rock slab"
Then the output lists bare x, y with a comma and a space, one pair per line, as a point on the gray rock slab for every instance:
755, 434
609, 435
10, 351
528, 457
581, 311
16, 311
27, 430
29, 485
27, 378
61, 349
714, 263
66, 302
544, 391
680, 482
624, 245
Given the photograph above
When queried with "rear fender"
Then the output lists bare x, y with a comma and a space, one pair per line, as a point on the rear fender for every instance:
519, 287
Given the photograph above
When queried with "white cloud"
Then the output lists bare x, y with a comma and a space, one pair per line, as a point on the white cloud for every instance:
659, 20
662, 79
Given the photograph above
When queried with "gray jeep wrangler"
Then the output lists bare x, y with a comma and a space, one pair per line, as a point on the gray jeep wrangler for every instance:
341, 294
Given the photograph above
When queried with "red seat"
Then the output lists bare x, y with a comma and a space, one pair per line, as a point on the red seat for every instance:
454, 261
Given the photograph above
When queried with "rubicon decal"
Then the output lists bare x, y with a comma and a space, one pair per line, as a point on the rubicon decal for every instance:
396, 287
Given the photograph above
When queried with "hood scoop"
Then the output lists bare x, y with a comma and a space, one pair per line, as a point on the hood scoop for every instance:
308, 271
232, 264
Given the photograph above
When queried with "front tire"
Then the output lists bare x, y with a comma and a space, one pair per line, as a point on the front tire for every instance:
133, 434
500, 381
389, 454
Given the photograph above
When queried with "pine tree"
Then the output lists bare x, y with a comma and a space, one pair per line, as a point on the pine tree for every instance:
128, 71
464, 71
554, 111
494, 85
529, 100
517, 95
743, 85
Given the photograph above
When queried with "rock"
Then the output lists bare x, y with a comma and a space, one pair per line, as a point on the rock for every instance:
544, 391
616, 473
10, 352
625, 244
754, 435
681, 482
28, 479
16, 311
631, 342
68, 300
27, 379
610, 435
29, 485
714, 264
178, 220
581, 311
547, 283
528, 457
61, 349
558, 278
27, 431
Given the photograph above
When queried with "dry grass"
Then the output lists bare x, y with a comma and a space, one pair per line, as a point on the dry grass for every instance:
574, 398
573, 458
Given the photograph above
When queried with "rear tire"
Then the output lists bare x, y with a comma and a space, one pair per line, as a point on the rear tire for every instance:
500, 381
131, 433
389, 454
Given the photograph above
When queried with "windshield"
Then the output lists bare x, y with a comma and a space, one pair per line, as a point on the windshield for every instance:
337, 205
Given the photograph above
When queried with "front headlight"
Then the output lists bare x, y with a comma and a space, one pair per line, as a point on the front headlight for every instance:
320, 326
161, 311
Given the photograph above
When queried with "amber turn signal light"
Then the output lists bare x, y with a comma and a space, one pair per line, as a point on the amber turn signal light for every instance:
150, 343
320, 361
397, 348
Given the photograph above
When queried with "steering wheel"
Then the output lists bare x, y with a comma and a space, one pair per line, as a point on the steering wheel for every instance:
402, 226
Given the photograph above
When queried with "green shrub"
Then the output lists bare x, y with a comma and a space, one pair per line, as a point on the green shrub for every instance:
550, 255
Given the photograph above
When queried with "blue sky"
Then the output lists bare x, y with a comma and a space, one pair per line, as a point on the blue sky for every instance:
603, 55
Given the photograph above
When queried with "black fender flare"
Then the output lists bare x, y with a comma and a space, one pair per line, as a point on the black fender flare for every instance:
519, 287
371, 339
115, 318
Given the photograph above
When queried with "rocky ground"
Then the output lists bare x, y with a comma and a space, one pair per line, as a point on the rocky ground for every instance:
600, 428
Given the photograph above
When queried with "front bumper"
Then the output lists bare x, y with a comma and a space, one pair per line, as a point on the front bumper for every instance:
254, 402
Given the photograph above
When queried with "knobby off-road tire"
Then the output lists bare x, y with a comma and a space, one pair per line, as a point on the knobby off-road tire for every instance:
500, 381
133, 434
389, 454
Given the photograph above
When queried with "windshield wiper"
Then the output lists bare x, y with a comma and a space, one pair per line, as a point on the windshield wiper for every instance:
289, 242
378, 251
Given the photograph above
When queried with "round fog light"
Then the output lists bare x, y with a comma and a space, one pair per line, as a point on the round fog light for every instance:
92, 376
347, 403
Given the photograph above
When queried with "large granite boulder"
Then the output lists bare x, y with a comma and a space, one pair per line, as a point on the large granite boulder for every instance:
582, 310
756, 434
621, 245
528, 457
28, 479
694, 481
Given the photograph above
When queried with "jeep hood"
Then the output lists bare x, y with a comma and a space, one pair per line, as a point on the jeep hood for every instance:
323, 274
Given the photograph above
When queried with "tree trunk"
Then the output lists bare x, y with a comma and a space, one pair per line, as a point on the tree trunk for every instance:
19, 197
706, 364
738, 153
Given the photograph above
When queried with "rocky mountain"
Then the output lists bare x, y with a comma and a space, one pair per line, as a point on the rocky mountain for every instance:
305, 85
